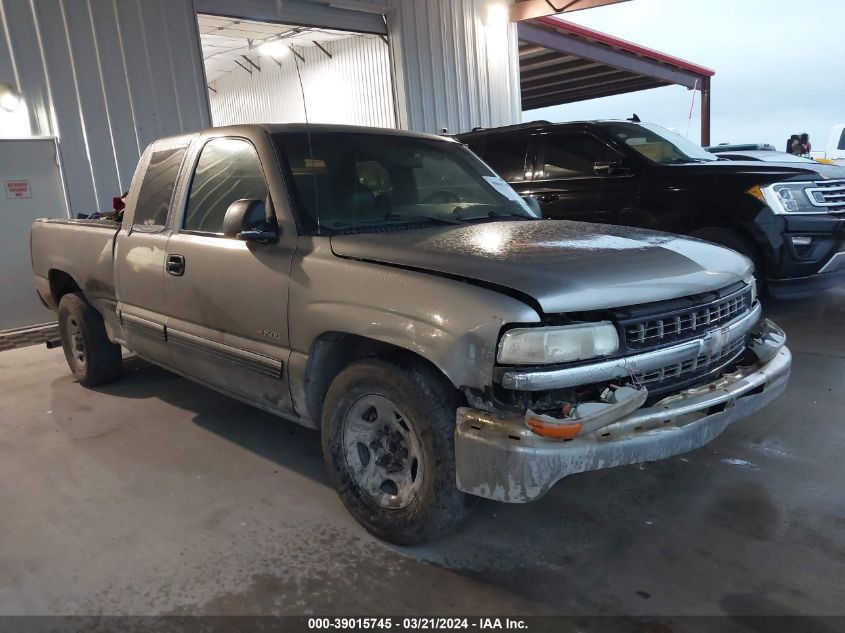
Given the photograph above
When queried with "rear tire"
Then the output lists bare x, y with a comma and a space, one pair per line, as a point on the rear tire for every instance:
388, 441
92, 357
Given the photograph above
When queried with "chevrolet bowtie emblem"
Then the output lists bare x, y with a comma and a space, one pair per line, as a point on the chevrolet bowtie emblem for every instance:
713, 341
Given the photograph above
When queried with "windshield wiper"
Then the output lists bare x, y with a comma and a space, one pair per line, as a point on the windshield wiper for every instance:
442, 219
509, 214
392, 219
495, 213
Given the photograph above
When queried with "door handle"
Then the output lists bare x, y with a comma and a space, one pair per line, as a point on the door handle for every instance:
176, 265
548, 197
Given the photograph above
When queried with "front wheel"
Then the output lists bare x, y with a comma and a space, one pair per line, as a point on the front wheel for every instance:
741, 244
388, 441
734, 241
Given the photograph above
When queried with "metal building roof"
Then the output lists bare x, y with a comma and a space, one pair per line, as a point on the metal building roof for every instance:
561, 62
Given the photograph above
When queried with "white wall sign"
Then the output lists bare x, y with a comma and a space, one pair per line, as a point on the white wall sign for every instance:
30, 178
18, 189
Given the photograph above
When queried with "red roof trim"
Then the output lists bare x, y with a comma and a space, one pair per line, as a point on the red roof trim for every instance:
604, 38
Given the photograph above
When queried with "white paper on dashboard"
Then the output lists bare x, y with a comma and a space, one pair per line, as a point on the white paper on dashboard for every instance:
506, 190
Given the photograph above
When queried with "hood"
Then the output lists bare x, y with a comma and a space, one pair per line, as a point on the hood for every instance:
827, 172
769, 172
564, 266
761, 171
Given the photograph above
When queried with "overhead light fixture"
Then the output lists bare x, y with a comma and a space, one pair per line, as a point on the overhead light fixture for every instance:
10, 99
497, 14
274, 48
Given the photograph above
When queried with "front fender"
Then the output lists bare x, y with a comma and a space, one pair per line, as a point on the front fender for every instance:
453, 324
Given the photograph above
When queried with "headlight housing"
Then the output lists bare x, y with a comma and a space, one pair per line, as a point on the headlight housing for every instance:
786, 198
558, 344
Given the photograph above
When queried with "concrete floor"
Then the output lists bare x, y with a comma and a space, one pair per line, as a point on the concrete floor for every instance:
154, 495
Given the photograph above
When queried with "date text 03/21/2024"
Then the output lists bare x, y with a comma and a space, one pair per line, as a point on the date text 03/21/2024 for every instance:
417, 623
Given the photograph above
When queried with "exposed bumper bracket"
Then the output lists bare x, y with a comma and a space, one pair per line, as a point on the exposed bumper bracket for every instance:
499, 458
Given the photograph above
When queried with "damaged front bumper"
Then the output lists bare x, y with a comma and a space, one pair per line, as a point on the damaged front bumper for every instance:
499, 458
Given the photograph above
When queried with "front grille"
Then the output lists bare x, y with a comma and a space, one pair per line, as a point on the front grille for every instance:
691, 369
828, 194
685, 323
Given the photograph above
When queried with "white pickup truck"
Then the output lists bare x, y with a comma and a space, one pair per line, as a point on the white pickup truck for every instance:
835, 150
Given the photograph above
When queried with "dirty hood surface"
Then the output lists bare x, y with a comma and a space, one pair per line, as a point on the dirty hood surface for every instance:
564, 266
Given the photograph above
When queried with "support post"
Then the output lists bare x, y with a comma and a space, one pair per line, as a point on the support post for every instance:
705, 111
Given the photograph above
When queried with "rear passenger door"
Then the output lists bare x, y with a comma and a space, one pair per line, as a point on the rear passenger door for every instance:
227, 299
577, 176
141, 246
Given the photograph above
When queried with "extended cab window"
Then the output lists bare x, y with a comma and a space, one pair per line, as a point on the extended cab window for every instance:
573, 155
227, 170
157, 187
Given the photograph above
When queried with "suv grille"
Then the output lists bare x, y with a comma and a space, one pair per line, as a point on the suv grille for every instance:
828, 194
685, 323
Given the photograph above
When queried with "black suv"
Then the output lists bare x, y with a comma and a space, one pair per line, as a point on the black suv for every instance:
788, 218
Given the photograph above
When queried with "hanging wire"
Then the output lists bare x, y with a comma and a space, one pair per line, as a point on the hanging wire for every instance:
308, 135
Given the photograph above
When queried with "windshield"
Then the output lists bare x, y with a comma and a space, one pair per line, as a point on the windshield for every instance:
658, 144
345, 181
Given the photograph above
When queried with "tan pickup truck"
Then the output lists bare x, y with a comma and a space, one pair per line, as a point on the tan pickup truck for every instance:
389, 290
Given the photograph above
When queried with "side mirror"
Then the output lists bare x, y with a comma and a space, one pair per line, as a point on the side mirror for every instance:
246, 220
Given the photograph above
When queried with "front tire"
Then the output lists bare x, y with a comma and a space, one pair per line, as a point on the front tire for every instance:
388, 442
92, 357
734, 241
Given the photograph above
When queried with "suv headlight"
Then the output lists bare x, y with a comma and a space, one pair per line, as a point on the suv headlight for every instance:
559, 344
785, 198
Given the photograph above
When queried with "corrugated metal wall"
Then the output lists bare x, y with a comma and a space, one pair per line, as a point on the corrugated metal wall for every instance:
353, 87
452, 69
106, 77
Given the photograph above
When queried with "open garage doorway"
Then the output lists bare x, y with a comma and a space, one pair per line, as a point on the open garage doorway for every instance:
253, 69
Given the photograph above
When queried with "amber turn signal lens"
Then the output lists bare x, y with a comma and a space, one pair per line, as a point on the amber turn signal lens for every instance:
553, 430
757, 192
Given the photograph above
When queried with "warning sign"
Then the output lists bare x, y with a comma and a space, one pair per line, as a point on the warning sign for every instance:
18, 189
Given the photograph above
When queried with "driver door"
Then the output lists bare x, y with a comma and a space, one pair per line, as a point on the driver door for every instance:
227, 299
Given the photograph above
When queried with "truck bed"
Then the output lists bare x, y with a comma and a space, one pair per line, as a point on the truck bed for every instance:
80, 249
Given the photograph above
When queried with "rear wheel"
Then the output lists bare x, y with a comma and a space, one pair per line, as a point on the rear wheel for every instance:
388, 441
92, 357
